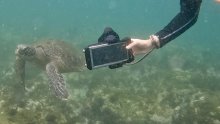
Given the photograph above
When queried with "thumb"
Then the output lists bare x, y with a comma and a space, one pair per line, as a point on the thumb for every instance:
129, 46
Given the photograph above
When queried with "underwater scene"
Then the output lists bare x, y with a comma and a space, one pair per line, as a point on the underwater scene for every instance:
176, 84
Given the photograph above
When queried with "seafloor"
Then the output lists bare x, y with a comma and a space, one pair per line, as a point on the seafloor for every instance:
165, 88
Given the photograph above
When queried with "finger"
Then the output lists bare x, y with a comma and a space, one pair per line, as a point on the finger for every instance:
129, 46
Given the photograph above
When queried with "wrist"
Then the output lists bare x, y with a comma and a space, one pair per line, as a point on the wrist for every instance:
155, 41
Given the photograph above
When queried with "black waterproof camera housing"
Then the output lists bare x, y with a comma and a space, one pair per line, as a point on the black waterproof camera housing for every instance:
113, 55
109, 51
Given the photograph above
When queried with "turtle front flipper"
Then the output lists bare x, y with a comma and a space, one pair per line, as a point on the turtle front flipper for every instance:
56, 80
23, 53
20, 70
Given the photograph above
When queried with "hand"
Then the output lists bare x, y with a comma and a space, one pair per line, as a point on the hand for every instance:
140, 46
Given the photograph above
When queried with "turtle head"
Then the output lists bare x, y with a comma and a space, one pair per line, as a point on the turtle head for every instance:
25, 51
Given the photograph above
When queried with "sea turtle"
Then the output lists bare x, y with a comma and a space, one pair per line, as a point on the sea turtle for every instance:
55, 57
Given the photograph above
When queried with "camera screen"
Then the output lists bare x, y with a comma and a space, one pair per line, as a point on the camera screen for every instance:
109, 54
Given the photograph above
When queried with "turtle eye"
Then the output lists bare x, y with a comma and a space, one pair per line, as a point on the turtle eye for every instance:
21, 51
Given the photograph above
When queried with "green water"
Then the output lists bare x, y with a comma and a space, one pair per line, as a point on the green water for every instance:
177, 84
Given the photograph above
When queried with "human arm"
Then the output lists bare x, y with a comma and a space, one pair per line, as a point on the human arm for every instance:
187, 16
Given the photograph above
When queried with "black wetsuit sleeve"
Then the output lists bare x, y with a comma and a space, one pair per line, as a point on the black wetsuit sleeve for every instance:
181, 22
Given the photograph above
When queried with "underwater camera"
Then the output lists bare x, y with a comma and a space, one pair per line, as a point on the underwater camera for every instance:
109, 51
